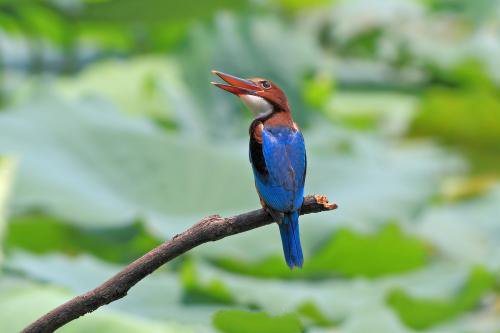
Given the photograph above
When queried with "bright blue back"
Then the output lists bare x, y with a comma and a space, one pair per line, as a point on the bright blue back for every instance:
285, 157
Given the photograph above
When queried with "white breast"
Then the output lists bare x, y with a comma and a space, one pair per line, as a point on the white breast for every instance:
256, 104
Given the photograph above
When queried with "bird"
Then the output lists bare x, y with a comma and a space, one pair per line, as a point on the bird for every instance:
277, 154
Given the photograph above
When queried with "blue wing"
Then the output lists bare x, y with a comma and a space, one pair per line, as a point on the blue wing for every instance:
281, 186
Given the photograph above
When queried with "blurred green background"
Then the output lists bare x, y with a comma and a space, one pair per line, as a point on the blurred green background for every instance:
112, 140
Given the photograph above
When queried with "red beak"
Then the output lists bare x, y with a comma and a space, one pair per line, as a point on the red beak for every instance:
236, 85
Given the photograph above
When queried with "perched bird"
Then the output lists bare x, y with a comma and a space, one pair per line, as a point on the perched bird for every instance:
277, 155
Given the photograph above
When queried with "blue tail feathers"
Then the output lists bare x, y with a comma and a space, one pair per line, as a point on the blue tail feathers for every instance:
289, 230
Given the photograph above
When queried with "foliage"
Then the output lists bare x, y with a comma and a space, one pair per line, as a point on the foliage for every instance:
44, 234
197, 292
104, 22
347, 254
234, 321
119, 142
310, 312
6, 175
470, 119
422, 313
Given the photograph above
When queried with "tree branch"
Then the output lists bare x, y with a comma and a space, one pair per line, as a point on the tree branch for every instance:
211, 228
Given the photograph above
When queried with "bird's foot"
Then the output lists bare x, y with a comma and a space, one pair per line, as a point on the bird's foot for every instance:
277, 216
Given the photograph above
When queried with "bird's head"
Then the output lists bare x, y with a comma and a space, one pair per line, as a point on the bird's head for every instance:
261, 96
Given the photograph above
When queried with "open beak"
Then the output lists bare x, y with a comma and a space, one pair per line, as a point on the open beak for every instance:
236, 85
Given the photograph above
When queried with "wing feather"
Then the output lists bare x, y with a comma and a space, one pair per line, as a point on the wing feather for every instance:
281, 182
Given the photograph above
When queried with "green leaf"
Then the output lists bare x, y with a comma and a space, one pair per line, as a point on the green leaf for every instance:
151, 12
461, 126
299, 6
141, 89
6, 179
269, 267
469, 73
195, 291
41, 234
476, 11
317, 91
23, 302
446, 115
99, 168
152, 25
424, 313
41, 21
310, 311
339, 300
158, 297
387, 252
465, 232
390, 112
349, 254
237, 321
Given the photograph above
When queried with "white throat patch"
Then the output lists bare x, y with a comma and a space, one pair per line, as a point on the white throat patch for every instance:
256, 104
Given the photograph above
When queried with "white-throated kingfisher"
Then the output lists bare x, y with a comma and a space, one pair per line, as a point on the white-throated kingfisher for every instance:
277, 155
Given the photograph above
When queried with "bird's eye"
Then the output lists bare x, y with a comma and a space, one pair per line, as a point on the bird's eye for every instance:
265, 84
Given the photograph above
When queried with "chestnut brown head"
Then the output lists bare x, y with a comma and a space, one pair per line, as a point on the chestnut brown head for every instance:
262, 96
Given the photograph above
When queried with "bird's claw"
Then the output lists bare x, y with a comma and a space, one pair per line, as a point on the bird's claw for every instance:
277, 216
